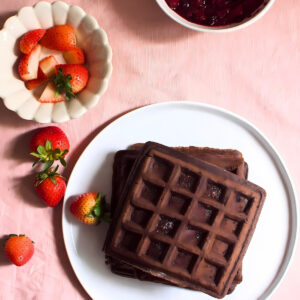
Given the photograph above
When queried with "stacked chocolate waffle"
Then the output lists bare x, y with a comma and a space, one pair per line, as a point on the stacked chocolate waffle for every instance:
182, 216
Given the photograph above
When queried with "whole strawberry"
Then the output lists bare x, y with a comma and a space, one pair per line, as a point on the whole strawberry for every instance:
18, 249
49, 144
50, 186
90, 208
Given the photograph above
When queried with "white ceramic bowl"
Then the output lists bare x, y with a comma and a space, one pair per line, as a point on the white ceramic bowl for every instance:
173, 15
90, 37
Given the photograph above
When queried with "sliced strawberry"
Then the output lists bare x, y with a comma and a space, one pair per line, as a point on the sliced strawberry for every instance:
28, 66
60, 38
50, 95
74, 56
47, 65
71, 79
30, 39
33, 83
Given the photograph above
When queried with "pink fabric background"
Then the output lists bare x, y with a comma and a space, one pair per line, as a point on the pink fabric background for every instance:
253, 72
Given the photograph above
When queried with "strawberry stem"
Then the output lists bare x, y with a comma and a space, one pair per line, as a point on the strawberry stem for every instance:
12, 235
46, 154
63, 84
50, 173
100, 210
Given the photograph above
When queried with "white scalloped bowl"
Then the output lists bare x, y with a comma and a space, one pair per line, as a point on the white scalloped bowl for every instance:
90, 37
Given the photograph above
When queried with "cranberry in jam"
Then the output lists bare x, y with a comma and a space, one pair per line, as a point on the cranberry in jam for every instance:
216, 12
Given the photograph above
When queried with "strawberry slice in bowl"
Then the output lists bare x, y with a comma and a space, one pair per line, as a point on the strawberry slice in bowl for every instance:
34, 83
50, 95
47, 65
74, 56
60, 38
29, 63
30, 40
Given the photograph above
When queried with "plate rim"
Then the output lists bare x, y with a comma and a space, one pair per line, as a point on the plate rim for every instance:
273, 152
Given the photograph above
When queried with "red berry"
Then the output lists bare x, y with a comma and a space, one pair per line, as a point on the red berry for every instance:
79, 74
48, 191
83, 206
29, 64
33, 83
49, 144
47, 65
19, 249
30, 39
74, 56
60, 38
52, 133
90, 208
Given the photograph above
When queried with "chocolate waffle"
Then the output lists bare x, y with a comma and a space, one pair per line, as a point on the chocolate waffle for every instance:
184, 246
230, 160
227, 159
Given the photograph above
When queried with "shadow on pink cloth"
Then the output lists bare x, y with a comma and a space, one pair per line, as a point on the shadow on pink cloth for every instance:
62, 253
19, 146
9, 118
5, 16
145, 18
18, 150
3, 259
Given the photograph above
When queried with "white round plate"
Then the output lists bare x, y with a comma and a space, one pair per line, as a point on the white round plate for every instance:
174, 124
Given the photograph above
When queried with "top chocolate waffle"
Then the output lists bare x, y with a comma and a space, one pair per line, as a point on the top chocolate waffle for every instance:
227, 159
180, 243
231, 160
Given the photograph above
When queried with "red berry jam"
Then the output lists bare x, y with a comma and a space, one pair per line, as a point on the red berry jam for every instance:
216, 12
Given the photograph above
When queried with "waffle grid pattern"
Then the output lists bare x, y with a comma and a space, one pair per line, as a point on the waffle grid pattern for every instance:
198, 236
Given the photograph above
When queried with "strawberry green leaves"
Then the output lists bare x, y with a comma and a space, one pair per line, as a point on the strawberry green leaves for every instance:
100, 210
63, 84
90, 208
96, 211
12, 235
47, 155
50, 173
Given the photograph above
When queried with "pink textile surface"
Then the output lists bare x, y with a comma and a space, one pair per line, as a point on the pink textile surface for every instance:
253, 72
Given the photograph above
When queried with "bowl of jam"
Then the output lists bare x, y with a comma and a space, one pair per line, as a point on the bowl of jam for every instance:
215, 15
